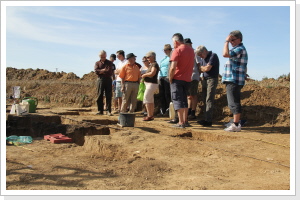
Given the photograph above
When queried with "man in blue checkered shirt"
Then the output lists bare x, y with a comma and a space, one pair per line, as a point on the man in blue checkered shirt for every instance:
235, 76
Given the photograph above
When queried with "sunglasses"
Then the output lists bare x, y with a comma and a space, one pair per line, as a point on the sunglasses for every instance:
233, 39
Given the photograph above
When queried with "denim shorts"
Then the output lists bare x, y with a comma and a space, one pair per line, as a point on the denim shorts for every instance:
179, 90
118, 93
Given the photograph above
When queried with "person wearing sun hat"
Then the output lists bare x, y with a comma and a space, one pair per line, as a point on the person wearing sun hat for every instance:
163, 81
130, 76
150, 80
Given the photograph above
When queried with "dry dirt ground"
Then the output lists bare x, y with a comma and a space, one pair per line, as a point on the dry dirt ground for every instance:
151, 156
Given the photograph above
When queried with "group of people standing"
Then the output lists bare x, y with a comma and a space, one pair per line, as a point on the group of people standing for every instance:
177, 78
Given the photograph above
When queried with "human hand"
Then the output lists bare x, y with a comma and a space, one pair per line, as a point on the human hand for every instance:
228, 38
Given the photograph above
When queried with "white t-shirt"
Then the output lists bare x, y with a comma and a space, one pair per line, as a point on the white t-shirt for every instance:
119, 66
143, 70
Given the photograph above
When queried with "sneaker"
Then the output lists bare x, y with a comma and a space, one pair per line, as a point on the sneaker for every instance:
242, 122
99, 113
161, 112
178, 125
207, 124
233, 128
109, 113
187, 124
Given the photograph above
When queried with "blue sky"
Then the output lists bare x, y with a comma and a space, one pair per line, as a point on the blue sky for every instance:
69, 38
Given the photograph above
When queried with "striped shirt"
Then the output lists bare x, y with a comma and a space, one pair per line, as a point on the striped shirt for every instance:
236, 66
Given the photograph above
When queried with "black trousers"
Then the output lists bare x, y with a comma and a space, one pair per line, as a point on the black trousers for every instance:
104, 84
164, 93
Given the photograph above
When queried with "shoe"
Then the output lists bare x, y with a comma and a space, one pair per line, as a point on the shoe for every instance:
242, 122
99, 113
201, 122
187, 124
178, 126
173, 121
207, 124
161, 112
233, 128
192, 117
117, 112
109, 113
148, 118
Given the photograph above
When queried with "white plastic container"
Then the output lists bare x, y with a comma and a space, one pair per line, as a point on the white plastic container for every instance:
171, 111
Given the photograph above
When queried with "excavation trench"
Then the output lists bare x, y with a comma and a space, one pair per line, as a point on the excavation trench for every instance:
77, 124
38, 125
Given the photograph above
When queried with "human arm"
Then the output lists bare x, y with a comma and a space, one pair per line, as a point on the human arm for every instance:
122, 85
103, 67
226, 47
206, 68
172, 70
151, 73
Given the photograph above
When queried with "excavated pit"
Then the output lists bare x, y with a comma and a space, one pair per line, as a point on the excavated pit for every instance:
79, 123
37, 125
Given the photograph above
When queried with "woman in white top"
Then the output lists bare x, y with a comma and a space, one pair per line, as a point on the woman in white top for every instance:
143, 71
146, 65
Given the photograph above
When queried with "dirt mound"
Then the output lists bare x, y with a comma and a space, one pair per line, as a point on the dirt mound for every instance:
89, 76
37, 74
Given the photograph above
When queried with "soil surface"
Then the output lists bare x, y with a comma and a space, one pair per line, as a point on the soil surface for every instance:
154, 156
151, 155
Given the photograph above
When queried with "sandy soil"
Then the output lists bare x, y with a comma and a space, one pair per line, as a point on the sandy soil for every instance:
153, 156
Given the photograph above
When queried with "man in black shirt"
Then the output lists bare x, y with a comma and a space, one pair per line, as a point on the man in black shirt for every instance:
209, 66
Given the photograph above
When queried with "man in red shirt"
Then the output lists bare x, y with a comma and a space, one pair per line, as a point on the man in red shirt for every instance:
182, 63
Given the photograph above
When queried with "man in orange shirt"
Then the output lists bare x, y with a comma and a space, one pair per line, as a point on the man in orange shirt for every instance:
130, 75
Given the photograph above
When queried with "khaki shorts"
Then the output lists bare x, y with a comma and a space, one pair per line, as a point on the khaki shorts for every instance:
193, 88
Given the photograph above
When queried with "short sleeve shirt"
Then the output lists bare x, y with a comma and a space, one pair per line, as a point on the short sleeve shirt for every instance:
236, 66
184, 55
213, 60
129, 73
164, 67
152, 79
